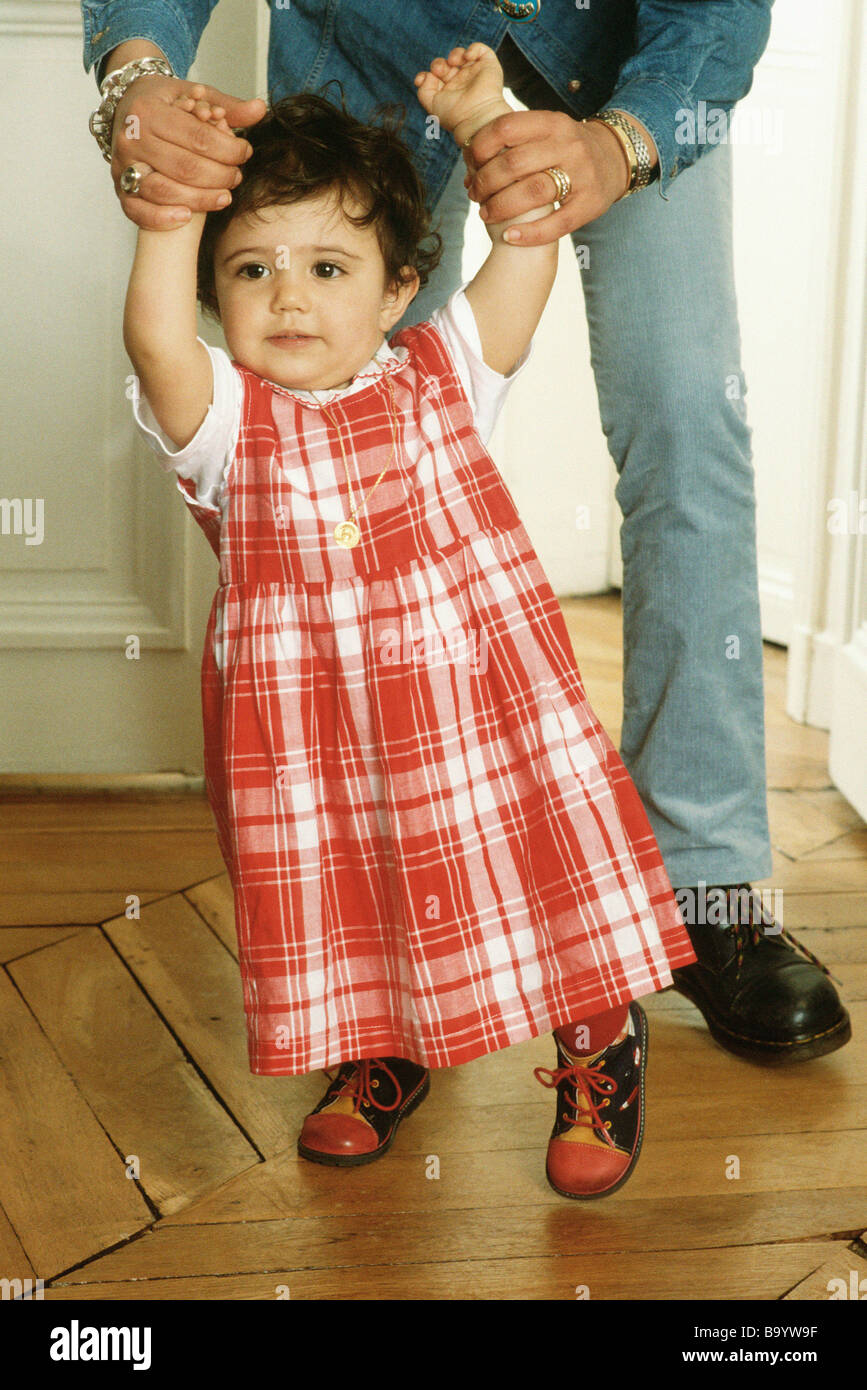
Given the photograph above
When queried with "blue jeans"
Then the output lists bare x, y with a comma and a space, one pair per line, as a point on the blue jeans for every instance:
665, 352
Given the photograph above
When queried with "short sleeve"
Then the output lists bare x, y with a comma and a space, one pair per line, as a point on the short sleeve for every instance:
206, 458
485, 389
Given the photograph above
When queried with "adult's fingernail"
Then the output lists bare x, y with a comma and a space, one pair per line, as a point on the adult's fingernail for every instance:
238, 177
223, 200
181, 215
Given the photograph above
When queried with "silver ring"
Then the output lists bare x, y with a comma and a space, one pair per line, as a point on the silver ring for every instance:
130, 180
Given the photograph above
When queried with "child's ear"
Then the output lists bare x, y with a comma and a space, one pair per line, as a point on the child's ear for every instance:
398, 297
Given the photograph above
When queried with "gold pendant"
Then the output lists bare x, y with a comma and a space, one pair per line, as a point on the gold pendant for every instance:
347, 534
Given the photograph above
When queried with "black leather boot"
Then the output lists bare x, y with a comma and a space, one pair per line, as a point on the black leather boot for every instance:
759, 997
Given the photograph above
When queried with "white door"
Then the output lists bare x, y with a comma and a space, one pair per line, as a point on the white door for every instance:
845, 499
98, 559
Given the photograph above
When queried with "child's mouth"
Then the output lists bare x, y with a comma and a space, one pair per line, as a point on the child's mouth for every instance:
290, 340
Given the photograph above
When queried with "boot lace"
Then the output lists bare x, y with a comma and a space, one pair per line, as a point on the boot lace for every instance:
359, 1084
751, 932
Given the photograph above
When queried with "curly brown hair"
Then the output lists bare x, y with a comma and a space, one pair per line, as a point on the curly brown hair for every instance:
305, 144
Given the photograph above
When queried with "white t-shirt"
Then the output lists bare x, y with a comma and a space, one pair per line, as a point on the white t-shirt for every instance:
207, 456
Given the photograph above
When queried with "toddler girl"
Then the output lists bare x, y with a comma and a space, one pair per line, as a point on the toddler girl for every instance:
434, 847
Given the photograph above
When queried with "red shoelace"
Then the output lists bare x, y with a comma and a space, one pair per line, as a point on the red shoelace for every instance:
585, 1079
360, 1085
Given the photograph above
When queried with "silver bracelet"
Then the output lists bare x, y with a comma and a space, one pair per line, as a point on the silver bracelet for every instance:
112, 88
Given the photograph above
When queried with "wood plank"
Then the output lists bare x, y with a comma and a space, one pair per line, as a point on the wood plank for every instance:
837, 945
799, 740
20, 941
473, 1108
823, 909
62, 815
137, 862
38, 909
14, 1263
760, 1272
214, 901
796, 756
801, 823
131, 1071
196, 986
850, 846
835, 806
787, 770
846, 1264
62, 1184
289, 1186
174, 1249
683, 1055
64, 909
807, 876
453, 1128
853, 980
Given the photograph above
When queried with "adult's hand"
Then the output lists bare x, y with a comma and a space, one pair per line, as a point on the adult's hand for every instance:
507, 160
189, 162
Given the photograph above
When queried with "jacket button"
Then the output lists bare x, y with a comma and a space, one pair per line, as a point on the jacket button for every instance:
575, 84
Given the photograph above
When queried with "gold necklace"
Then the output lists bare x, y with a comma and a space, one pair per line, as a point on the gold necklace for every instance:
346, 533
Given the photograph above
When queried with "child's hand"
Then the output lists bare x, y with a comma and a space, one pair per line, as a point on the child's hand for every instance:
463, 88
197, 105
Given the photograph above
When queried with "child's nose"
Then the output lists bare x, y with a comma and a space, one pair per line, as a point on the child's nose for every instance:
290, 290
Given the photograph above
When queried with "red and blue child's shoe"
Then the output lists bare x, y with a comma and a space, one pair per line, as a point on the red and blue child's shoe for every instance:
357, 1118
597, 1134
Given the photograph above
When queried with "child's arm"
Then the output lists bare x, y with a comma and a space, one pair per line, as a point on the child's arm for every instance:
511, 289
160, 330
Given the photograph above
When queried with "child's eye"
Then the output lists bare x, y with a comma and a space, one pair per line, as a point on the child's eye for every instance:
253, 265
327, 265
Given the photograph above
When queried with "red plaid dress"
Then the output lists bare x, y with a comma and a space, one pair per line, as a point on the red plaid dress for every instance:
435, 848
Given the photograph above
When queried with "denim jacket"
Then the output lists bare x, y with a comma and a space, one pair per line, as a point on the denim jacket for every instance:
670, 63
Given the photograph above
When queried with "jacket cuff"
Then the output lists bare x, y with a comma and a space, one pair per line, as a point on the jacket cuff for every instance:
108, 24
668, 112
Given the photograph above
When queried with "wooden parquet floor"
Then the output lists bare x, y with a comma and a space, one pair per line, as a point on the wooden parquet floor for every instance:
142, 1160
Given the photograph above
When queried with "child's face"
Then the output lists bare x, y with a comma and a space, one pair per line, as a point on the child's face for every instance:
303, 269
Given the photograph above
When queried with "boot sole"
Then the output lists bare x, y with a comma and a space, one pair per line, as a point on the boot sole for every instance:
624, 1177
356, 1160
771, 1054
